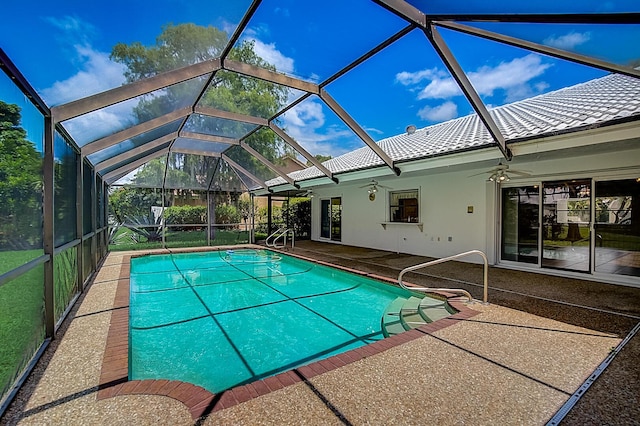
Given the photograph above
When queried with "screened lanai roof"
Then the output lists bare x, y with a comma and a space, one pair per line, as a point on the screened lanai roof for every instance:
184, 95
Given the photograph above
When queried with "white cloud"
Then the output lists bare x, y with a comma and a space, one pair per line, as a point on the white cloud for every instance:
97, 73
306, 114
508, 75
98, 124
305, 123
567, 41
410, 78
513, 77
71, 29
444, 112
440, 88
271, 54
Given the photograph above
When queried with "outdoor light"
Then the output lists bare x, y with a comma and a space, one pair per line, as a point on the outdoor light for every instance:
499, 176
373, 190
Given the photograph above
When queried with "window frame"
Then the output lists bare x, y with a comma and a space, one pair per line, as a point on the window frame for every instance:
400, 211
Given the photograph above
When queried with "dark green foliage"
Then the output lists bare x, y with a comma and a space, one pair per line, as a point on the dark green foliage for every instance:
185, 215
125, 203
296, 213
20, 184
186, 44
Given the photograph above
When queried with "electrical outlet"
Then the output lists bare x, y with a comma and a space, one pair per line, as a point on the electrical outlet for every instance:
450, 238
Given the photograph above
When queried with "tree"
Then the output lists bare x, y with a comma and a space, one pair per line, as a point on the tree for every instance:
186, 44
20, 184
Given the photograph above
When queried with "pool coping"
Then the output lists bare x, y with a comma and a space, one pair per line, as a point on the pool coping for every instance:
199, 401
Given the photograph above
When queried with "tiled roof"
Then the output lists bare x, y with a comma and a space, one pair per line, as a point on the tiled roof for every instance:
591, 103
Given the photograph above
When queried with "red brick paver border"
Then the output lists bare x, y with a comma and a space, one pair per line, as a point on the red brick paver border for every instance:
199, 401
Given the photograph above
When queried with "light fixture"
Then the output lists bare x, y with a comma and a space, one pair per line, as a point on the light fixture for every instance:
373, 189
499, 176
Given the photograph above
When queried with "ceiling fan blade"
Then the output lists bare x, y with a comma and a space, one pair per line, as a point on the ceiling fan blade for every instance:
488, 172
519, 172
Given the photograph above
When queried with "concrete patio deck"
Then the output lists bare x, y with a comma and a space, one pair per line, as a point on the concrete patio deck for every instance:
516, 361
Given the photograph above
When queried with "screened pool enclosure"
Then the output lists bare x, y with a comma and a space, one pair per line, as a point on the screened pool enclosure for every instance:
157, 124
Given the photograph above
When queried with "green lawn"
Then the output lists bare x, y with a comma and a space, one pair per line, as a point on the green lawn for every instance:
12, 259
176, 239
21, 324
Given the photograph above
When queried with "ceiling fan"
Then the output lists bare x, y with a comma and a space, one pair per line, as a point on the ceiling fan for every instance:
308, 193
499, 173
373, 186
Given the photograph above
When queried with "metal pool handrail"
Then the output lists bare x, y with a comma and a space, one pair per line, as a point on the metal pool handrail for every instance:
446, 259
280, 233
272, 235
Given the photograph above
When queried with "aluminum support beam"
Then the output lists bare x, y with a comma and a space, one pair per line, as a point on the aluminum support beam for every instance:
48, 212
404, 10
135, 151
237, 166
94, 221
195, 152
208, 138
545, 50
80, 218
21, 83
268, 75
268, 163
388, 42
467, 88
251, 10
289, 140
121, 171
359, 131
218, 113
542, 18
132, 90
116, 138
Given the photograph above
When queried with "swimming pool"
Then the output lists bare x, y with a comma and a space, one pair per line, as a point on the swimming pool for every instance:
225, 318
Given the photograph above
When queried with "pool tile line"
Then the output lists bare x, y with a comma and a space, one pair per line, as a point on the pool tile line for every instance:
199, 401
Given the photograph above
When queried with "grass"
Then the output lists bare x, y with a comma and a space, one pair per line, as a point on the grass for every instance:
12, 259
175, 239
21, 324
22, 308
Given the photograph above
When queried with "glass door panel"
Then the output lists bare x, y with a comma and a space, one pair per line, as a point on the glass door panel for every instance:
331, 219
617, 227
566, 225
520, 224
325, 218
336, 219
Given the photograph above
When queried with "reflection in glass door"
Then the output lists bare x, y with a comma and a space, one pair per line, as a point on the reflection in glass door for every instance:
617, 227
520, 224
566, 220
331, 219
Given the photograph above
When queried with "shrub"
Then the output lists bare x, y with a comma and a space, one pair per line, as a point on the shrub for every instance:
185, 215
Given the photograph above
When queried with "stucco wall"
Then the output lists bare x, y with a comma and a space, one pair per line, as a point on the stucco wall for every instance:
448, 228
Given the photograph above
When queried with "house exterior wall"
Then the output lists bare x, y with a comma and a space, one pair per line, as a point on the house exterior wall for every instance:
448, 228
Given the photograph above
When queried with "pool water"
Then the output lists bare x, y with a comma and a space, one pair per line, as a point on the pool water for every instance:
221, 319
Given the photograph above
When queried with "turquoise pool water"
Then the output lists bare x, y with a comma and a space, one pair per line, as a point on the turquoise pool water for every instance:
221, 319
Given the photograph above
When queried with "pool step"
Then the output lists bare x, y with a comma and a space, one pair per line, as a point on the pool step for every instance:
407, 313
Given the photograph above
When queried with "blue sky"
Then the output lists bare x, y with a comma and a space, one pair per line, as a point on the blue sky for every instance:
63, 50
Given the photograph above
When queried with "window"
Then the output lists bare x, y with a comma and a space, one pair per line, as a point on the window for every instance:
403, 206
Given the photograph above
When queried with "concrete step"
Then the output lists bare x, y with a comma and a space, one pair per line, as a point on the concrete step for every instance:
408, 313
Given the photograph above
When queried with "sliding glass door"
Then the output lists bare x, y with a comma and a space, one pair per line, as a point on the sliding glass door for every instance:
566, 224
520, 224
617, 227
331, 218
552, 228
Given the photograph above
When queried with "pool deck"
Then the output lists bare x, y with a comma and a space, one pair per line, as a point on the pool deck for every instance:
514, 361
